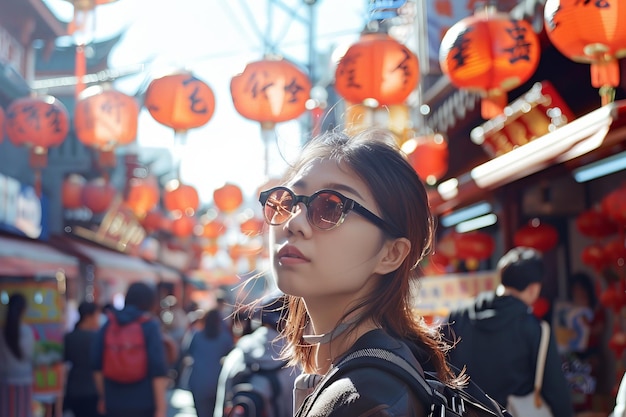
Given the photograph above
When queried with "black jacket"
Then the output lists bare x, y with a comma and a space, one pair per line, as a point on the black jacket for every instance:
368, 391
498, 343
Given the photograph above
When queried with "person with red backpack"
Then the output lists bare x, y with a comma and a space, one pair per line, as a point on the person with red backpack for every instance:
128, 359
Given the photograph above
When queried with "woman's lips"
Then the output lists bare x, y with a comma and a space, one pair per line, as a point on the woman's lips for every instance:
291, 255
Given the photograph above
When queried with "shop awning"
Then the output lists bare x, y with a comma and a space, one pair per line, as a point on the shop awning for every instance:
111, 265
598, 129
28, 257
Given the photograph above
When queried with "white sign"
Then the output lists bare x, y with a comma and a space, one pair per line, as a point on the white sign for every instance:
20, 207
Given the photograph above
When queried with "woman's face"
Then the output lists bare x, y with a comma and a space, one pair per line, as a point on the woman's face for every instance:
333, 266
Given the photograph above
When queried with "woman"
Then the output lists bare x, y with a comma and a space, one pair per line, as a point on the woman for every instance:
348, 229
17, 347
81, 396
205, 353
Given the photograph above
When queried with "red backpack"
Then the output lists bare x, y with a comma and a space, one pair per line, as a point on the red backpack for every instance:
125, 357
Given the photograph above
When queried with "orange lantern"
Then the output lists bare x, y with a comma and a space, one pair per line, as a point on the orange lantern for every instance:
153, 220
105, 118
270, 91
252, 227
615, 252
37, 123
213, 229
540, 236
142, 196
594, 256
71, 191
593, 223
429, 156
98, 194
180, 197
592, 32
474, 245
228, 198
183, 226
489, 53
180, 101
377, 70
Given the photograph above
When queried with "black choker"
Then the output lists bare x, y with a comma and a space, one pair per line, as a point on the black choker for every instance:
325, 338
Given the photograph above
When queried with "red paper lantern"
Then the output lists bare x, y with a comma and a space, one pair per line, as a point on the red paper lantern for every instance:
595, 257
71, 191
180, 197
105, 118
614, 206
183, 226
591, 32
540, 236
541, 307
180, 101
489, 53
270, 91
474, 245
228, 198
252, 227
378, 68
2, 117
98, 194
142, 196
428, 155
37, 122
617, 343
213, 229
595, 224
615, 252
153, 221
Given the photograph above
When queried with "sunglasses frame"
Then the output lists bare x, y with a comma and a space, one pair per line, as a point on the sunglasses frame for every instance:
347, 203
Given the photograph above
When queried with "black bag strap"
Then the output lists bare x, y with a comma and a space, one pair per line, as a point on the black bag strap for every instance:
444, 401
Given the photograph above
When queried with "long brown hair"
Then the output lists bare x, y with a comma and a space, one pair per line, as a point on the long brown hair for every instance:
402, 200
15, 312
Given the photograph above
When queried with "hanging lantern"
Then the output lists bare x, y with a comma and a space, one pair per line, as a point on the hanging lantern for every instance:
38, 123
615, 252
180, 197
536, 235
428, 156
474, 245
593, 223
270, 91
613, 205
592, 32
142, 196
71, 191
489, 53
595, 257
213, 229
2, 117
228, 198
98, 194
252, 227
180, 101
183, 226
377, 71
105, 118
153, 221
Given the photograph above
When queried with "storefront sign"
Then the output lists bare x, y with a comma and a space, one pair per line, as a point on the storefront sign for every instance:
21, 211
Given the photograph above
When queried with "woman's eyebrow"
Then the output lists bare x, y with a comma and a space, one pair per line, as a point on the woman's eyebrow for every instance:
331, 186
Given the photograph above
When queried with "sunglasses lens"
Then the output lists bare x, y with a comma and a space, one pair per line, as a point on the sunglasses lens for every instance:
278, 206
325, 210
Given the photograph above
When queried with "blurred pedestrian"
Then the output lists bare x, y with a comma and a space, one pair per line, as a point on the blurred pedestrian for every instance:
81, 396
146, 397
17, 349
497, 336
204, 358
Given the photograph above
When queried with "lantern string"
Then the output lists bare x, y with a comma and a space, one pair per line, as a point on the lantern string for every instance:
180, 139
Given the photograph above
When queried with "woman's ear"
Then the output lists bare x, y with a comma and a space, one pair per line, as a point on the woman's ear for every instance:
394, 253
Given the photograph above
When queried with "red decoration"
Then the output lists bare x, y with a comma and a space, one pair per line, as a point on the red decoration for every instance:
71, 191
377, 67
104, 119
183, 226
593, 223
591, 32
228, 198
490, 53
595, 257
98, 194
428, 155
180, 101
180, 197
540, 236
541, 307
153, 221
252, 227
615, 252
213, 229
2, 117
474, 245
617, 343
270, 91
142, 196
614, 206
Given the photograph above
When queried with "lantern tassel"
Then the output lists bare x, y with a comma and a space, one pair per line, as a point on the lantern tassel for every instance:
80, 69
493, 105
38, 160
605, 76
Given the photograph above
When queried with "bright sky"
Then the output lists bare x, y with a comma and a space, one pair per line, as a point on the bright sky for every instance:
214, 39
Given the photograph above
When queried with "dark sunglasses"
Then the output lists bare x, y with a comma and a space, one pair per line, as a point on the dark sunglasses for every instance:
325, 209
